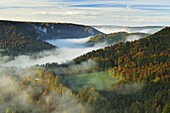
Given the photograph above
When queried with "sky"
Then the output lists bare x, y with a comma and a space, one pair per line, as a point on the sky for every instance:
89, 12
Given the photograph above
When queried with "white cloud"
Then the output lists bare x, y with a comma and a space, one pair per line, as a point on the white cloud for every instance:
69, 49
64, 11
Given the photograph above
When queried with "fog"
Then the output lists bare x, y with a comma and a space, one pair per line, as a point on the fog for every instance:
17, 70
114, 29
68, 50
128, 88
18, 87
133, 37
83, 67
69, 43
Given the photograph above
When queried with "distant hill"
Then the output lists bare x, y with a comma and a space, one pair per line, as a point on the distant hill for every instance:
52, 30
114, 38
27, 37
130, 29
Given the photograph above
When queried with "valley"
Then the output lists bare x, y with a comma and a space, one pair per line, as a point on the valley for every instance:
84, 56
115, 70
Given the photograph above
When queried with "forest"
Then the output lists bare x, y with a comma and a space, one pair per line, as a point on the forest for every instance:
140, 60
136, 75
142, 69
16, 40
114, 38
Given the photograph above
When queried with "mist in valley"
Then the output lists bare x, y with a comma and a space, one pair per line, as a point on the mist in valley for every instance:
113, 29
67, 50
18, 71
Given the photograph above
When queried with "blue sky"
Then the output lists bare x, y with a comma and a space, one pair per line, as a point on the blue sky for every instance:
89, 12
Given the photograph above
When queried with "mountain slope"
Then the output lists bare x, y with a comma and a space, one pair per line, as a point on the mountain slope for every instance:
27, 37
144, 59
143, 68
15, 40
52, 30
22, 45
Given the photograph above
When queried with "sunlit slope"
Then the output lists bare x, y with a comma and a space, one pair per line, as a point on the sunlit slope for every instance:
115, 38
99, 80
141, 60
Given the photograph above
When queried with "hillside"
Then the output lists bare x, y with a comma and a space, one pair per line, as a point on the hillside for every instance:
114, 38
99, 80
27, 37
135, 80
22, 45
51, 30
143, 60
142, 70
15, 40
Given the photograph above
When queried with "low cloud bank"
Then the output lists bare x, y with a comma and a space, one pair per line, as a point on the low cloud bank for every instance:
61, 55
133, 37
69, 43
114, 29
69, 49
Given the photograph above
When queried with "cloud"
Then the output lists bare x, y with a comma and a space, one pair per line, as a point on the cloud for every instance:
58, 55
151, 7
114, 29
73, 69
69, 49
91, 12
128, 88
101, 5
68, 13
69, 43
